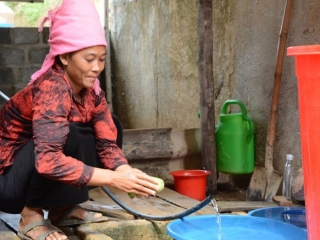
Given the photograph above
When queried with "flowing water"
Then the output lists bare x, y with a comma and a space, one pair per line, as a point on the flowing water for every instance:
215, 207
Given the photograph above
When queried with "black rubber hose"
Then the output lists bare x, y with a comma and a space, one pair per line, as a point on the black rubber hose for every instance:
158, 218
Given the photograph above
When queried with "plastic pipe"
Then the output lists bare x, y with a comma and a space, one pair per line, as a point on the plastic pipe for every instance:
4, 96
158, 218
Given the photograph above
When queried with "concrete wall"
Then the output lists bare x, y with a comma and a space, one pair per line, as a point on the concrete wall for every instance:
154, 49
154, 52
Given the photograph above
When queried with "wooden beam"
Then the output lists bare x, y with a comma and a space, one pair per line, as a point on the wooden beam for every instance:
108, 81
205, 68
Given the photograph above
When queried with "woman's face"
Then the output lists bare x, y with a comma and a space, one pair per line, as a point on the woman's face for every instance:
84, 66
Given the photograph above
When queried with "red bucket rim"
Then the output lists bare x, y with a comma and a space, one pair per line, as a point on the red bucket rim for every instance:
187, 173
303, 50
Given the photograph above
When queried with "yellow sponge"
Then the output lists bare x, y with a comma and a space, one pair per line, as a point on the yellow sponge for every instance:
160, 187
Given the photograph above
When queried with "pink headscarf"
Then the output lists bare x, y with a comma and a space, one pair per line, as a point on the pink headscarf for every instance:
75, 25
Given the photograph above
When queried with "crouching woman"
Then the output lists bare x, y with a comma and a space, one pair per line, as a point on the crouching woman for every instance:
57, 135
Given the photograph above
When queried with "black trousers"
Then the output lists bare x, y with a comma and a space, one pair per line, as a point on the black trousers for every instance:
21, 185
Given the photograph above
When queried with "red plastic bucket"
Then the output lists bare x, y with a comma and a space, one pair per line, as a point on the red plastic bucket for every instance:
191, 183
307, 60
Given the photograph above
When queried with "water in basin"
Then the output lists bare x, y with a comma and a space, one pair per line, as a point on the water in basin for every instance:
233, 227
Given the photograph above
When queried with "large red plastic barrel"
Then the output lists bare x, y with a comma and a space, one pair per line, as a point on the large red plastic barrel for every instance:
307, 61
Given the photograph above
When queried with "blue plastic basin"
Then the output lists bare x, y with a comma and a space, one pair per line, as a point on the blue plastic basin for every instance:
233, 227
292, 215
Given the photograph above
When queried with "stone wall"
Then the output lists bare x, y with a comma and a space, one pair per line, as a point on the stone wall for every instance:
22, 51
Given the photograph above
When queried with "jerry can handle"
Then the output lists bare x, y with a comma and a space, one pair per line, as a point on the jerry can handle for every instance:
234, 101
250, 126
250, 129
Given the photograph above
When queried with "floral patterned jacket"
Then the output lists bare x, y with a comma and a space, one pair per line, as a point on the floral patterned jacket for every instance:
42, 111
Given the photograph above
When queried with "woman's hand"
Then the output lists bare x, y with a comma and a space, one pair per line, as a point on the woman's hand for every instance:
133, 180
125, 178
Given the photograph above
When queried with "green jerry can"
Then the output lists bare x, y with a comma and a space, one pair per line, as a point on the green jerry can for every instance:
235, 141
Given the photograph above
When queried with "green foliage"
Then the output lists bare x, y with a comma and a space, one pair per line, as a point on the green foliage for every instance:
31, 14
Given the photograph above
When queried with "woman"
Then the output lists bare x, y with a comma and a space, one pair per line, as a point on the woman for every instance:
57, 135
